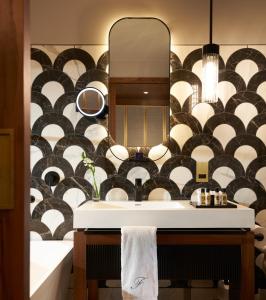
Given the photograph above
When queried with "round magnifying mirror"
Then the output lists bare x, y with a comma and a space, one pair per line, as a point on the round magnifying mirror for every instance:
90, 102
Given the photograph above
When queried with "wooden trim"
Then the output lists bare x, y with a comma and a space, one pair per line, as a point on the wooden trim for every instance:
15, 81
79, 257
172, 239
93, 292
1, 261
134, 80
247, 267
7, 200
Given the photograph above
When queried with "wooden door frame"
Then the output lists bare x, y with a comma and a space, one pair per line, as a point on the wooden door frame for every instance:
15, 80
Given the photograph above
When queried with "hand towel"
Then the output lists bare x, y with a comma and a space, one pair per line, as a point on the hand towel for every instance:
139, 266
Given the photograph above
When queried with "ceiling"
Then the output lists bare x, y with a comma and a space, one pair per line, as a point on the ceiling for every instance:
88, 21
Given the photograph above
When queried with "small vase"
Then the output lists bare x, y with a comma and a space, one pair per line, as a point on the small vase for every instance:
94, 198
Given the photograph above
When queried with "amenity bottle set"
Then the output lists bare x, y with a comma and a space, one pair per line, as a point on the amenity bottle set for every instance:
207, 197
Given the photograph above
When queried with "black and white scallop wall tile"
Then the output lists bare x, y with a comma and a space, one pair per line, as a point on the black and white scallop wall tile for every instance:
230, 135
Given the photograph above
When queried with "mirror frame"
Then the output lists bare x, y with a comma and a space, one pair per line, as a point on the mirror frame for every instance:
99, 93
136, 149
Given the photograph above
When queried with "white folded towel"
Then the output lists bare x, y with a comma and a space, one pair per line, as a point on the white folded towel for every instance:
139, 267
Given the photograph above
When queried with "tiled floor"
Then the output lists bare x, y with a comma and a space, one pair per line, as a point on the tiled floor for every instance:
167, 294
175, 294
201, 290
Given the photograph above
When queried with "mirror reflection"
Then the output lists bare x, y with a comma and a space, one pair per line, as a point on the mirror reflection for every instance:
90, 102
139, 85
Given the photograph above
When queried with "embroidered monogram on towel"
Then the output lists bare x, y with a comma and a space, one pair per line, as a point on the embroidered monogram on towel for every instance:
137, 282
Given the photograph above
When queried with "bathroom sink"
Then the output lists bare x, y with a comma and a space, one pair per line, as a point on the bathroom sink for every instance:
143, 205
162, 214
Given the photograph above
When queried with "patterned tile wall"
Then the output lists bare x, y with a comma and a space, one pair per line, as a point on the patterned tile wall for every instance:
230, 135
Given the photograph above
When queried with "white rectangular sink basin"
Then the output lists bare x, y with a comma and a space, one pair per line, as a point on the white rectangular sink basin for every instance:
162, 214
143, 205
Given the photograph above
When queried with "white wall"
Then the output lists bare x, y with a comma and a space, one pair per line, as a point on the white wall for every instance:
88, 21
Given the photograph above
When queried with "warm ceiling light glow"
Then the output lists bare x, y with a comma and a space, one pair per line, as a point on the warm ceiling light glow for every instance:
146, 93
210, 67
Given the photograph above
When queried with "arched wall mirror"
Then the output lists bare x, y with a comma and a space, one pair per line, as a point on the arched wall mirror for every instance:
139, 82
90, 102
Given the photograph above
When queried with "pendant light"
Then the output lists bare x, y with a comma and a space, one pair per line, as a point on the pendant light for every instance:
210, 65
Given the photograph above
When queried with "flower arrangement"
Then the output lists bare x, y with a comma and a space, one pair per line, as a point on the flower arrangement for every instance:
90, 165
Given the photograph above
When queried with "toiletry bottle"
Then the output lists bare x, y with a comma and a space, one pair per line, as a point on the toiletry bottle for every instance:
212, 199
202, 198
195, 201
138, 189
220, 197
208, 197
224, 197
216, 198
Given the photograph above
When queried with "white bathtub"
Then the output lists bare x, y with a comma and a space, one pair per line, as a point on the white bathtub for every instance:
50, 267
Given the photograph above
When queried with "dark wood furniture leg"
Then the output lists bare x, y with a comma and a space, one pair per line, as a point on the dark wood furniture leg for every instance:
79, 263
234, 291
247, 286
92, 289
245, 289
187, 293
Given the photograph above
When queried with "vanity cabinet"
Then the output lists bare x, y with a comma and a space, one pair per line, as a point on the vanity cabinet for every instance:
182, 254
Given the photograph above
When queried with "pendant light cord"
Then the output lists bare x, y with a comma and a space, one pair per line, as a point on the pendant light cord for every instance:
211, 11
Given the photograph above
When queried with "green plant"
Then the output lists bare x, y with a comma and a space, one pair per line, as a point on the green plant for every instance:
90, 165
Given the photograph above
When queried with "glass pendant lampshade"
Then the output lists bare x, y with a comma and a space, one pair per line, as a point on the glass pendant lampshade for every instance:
210, 65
